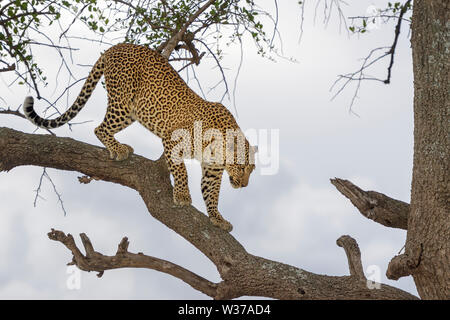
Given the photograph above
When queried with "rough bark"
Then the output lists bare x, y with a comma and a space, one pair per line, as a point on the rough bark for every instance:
427, 250
353, 255
427, 220
374, 205
242, 273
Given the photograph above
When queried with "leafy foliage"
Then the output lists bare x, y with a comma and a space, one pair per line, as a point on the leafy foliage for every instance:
22, 21
153, 23
147, 22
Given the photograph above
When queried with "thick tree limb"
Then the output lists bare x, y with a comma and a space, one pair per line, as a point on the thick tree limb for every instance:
242, 273
95, 261
374, 205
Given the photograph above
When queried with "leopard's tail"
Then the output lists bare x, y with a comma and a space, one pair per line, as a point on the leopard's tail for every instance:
89, 85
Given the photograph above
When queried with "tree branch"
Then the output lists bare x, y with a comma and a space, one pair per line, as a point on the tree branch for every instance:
369, 60
177, 37
10, 67
18, 114
374, 205
242, 273
404, 264
391, 52
353, 256
95, 261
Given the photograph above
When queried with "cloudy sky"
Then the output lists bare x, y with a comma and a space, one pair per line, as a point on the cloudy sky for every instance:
293, 216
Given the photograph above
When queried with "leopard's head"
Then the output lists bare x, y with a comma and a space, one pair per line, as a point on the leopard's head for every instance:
243, 165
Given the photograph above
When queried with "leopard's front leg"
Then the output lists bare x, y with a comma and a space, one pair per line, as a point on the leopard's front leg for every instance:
181, 194
211, 180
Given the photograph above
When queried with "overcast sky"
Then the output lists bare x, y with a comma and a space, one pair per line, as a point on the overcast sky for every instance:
293, 216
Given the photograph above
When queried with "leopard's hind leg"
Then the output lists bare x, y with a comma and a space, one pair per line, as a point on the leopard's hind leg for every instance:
117, 118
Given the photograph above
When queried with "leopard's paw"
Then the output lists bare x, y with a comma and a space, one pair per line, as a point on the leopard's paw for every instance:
121, 152
182, 198
221, 223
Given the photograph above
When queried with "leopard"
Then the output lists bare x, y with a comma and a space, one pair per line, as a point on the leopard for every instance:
143, 86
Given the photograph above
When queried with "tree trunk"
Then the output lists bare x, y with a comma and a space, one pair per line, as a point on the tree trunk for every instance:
428, 238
